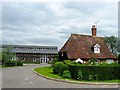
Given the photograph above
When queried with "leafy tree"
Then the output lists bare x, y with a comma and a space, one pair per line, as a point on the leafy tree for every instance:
112, 43
119, 59
7, 55
55, 59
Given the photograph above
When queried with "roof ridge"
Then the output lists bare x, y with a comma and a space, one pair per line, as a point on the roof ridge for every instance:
85, 35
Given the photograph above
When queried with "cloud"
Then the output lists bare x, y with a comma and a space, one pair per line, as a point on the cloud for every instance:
51, 23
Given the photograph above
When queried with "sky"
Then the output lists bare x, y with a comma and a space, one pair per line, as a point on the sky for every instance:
51, 23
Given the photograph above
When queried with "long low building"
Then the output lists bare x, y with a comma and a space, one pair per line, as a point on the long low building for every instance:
30, 53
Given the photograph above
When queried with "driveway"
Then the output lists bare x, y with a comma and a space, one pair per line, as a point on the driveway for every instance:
23, 77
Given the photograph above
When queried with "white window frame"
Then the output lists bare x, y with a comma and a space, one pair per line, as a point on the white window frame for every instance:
97, 48
34, 59
23, 59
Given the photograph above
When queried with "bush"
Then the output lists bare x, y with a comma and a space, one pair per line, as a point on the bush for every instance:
67, 61
80, 76
19, 63
66, 74
10, 63
100, 72
92, 61
96, 77
59, 67
91, 77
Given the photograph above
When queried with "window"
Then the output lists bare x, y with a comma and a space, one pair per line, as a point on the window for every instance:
109, 61
34, 59
97, 48
23, 59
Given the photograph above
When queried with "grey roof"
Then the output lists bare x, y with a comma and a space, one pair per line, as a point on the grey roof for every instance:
33, 46
34, 49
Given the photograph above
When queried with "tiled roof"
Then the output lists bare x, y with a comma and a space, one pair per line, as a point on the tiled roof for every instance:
79, 46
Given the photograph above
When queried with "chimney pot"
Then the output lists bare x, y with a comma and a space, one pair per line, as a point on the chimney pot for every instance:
94, 30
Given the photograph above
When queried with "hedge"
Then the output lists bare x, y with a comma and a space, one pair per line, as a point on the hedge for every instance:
101, 72
59, 67
66, 74
13, 63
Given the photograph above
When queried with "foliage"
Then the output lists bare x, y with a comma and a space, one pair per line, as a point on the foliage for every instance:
92, 61
47, 72
7, 56
67, 61
100, 72
111, 42
80, 75
13, 63
10, 63
55, 59
66, 74
19, 63
96, 77
119, 59
59, 67
90, 77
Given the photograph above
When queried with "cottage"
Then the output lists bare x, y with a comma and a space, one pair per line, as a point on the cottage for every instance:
86, 47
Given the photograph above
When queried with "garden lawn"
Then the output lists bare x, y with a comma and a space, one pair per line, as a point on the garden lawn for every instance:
48, 72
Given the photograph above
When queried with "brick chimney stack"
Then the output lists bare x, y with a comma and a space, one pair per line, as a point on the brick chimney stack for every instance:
94, 30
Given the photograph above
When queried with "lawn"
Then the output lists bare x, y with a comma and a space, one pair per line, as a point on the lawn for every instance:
48, 72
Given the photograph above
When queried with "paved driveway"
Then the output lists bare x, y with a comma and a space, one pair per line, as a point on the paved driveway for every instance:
23, 77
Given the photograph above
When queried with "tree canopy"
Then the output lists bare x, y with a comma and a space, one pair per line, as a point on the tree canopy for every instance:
111, 43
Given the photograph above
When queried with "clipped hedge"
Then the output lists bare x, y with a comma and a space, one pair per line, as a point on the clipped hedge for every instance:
66, 74
59, 67
10, 63
67, 61
13, 63
101, 72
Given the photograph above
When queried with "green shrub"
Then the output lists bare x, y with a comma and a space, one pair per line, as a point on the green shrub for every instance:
92, 61
10, 63
96, 77
80, 76
100, 72
19, 63
59, 67
67, 61
66, 74
91, 77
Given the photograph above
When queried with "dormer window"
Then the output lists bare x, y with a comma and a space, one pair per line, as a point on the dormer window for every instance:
96, 48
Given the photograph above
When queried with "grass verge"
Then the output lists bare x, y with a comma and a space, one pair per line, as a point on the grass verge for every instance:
48, 72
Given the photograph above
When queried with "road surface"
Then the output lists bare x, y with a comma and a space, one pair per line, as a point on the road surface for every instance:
23, 77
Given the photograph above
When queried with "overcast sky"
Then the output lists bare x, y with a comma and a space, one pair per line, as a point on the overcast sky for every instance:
51, 23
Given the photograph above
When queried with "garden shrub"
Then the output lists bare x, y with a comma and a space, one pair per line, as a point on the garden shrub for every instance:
10, 63
80, 76
19, 63
66, 74
67, 61
100, 72
59, 67
96, 77
91, 77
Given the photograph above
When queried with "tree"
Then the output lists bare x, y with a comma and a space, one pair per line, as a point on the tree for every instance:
119, 59
7, 55
111, 43
55, 59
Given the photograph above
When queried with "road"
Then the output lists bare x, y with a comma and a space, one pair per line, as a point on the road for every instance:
23, 77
